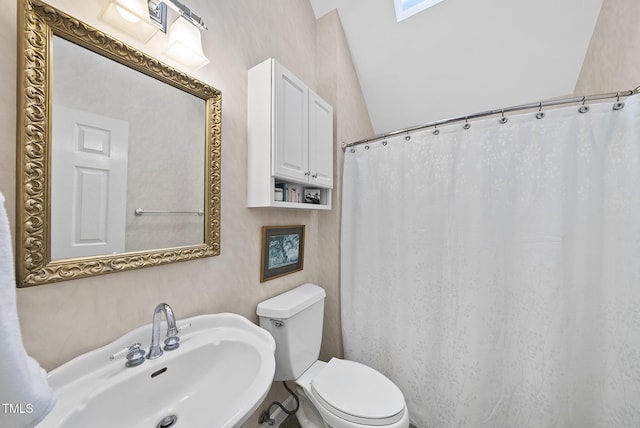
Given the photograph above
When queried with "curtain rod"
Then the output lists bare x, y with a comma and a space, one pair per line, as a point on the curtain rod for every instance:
539, 105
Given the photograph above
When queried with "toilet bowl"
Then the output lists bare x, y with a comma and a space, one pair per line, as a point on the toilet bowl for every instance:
338, 394
347, 394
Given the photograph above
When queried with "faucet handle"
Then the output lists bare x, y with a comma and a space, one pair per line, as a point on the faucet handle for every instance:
183, 327
119, 353
171, 343
135, 356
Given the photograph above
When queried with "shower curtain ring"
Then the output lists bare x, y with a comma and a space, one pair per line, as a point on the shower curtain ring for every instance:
618, 105
436, 131
540, 113
467, 125
408, 137
583, 108
503, 119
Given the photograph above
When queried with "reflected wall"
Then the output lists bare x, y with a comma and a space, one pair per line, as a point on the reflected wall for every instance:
165, 153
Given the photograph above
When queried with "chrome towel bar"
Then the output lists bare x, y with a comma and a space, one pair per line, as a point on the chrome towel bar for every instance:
140, 211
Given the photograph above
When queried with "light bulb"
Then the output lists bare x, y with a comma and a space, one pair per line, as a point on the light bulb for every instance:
127, 15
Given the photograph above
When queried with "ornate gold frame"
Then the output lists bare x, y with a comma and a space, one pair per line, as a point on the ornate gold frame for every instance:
38, 22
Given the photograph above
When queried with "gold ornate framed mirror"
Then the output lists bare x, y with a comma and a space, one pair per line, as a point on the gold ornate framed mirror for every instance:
44, 34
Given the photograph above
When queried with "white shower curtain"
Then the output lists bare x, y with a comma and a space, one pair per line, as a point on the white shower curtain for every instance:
494, 273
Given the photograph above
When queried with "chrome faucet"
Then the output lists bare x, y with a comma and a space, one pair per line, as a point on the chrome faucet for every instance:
172, 341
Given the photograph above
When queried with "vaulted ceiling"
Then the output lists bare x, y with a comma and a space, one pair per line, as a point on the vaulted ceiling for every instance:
463, 56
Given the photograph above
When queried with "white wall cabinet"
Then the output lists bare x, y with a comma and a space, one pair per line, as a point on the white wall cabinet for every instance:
290, 140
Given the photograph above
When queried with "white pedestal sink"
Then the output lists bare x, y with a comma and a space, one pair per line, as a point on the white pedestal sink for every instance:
217, 378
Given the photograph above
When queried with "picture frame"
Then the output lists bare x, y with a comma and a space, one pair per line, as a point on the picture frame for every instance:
282, 251
312, 196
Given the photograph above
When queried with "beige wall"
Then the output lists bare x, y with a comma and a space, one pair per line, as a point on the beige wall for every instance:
612, 62
336, 80
62, 320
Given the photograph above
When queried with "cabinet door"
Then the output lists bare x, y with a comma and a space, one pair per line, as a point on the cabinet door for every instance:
291, 152
320, 141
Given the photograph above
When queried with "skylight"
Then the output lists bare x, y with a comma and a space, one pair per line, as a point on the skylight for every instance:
408, 8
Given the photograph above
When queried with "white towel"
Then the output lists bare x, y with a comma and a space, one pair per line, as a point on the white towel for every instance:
25, 395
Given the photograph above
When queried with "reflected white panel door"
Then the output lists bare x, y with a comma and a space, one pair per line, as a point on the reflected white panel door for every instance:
88, 184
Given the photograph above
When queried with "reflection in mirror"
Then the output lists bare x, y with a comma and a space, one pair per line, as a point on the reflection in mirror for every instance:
122, 140
105, 132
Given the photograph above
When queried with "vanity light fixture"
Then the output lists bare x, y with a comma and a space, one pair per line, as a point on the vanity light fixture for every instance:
185, 44
141, 19
134, 17
184, 11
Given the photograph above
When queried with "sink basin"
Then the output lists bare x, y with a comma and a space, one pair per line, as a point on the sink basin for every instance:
217, 378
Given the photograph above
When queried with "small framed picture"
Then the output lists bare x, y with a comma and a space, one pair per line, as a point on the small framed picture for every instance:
312, 196
282, 251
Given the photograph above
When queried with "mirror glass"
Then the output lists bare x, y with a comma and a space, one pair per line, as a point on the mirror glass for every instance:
122, 143
118, 155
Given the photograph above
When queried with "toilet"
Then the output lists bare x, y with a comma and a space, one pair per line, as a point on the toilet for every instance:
337, 394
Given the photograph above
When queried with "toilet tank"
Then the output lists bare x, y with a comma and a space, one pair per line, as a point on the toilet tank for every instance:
294, 319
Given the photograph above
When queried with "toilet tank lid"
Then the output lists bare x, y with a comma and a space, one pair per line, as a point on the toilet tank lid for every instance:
288, 304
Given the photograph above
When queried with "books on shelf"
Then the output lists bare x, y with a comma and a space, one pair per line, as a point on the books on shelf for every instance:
293, 194
288, 192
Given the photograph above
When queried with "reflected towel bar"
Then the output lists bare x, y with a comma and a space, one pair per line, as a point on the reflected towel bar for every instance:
140, 211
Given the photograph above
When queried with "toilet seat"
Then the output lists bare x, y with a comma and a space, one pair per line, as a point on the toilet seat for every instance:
358, 393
